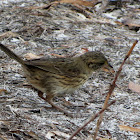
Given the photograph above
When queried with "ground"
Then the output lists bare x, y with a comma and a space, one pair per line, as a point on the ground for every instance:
64, 30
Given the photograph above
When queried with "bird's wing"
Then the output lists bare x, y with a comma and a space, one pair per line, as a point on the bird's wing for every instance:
62, 66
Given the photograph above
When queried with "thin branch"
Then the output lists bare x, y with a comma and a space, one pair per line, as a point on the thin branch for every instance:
106, 105
112, 86
93, 117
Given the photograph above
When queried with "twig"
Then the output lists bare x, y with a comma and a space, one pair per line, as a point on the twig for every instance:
91, 119
106, 105
112, 86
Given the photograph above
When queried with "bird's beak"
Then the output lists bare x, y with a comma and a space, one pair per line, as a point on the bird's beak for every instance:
108, 68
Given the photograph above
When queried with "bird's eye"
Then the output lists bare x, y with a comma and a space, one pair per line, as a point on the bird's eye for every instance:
100, 64
95, 66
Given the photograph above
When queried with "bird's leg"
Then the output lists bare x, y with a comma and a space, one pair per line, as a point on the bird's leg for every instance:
49, 100
40, 94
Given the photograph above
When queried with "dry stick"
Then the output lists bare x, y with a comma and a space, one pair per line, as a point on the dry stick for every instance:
91, 119
112, 86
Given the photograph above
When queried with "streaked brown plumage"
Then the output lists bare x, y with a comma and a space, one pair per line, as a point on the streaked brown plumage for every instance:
59, 76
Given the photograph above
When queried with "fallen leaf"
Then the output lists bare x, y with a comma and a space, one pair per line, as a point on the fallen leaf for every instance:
134, 87
85, 49
80, 2
128, 128
138, 123
3, 90
30, 56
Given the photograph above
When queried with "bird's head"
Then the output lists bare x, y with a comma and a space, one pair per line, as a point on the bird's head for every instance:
95, 60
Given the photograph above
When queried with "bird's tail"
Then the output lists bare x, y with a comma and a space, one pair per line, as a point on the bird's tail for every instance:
12, 54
